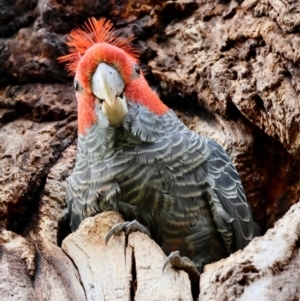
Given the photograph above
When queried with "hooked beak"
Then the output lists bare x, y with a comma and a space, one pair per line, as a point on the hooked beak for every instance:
108, 86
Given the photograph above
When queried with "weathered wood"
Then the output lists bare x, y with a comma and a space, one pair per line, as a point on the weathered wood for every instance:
56, 277
267, 269
16, 268
105, 271
152, 283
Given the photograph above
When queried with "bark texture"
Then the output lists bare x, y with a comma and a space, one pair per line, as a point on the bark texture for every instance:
257, 273
230, 70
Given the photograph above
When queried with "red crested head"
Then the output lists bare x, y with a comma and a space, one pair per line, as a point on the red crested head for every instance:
106, 69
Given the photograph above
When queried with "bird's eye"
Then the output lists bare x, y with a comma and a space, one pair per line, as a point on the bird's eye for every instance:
76, 85
137, 69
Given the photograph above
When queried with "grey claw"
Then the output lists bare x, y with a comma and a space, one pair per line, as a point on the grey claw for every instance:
135, 226
183, 263
171, 258
116, 229
165, 263
127, 227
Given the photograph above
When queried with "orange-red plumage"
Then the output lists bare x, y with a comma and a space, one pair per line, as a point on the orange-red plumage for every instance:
140, 92
87, 116
93, 32
98, 42
104, 52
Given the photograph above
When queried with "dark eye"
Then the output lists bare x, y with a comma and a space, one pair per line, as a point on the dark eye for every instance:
137, 69
76, 85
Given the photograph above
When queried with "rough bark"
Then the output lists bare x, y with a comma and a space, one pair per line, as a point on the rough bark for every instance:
17, 267
256, 273
230, 69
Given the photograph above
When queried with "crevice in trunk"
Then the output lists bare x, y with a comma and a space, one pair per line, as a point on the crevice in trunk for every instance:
79, 277
134, 282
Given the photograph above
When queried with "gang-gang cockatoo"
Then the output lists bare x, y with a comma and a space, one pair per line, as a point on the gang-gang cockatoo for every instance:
136, 157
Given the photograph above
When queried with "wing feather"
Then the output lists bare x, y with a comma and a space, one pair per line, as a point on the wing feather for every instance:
229, 197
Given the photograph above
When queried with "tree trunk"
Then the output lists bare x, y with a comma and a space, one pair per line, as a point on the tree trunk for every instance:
229, 69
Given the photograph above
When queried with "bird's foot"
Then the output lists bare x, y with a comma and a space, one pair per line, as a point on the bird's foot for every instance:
183, 263
127, 227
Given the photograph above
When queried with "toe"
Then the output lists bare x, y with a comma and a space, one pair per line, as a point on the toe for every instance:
127, 227
135, 226
183, 263
116, 230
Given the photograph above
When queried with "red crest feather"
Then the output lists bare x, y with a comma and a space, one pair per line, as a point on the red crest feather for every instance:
93, 32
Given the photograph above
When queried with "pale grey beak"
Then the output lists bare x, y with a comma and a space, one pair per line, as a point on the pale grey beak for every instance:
108, 86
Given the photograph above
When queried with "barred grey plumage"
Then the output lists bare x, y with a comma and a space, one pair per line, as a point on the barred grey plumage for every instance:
180, 185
